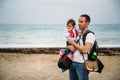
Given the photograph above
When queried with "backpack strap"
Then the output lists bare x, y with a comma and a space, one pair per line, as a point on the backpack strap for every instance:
95, 46
85, 34
84, 38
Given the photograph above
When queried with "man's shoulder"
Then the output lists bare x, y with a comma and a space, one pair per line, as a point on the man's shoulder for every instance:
90, 34
90, 38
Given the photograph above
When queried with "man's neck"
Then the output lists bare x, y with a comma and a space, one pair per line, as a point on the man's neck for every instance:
84, 30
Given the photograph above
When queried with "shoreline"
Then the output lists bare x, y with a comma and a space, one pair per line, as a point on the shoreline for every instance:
52, 46
52, 50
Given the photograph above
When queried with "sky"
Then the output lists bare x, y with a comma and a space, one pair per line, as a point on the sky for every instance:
58, 11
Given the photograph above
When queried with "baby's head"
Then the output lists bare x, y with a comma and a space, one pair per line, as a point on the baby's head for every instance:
70, 24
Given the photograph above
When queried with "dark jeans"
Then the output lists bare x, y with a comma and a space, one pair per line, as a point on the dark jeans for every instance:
77, 72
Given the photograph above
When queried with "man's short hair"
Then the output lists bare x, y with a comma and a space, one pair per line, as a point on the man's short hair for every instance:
87, 17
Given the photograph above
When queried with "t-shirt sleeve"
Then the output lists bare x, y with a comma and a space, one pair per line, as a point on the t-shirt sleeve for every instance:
90, 38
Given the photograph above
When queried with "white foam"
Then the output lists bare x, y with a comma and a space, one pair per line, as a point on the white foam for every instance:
109, 46
32, 46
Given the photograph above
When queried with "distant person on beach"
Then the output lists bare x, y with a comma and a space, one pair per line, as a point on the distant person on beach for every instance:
76, 70
73, 33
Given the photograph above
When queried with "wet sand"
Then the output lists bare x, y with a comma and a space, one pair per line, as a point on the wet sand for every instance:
18, 66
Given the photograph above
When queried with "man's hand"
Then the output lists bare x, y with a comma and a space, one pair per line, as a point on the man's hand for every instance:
71, 40
84, 49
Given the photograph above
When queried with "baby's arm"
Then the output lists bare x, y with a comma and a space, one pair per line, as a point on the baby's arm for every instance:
69, 34
72, 48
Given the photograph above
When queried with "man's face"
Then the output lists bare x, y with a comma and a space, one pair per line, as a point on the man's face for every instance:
82, 23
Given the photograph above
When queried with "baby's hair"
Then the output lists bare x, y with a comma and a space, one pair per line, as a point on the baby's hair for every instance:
71, 21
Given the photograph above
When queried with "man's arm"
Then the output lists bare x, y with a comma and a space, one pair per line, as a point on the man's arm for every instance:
90, 39
84, 49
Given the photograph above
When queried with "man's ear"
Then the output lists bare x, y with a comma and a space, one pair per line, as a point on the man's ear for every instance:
87, 23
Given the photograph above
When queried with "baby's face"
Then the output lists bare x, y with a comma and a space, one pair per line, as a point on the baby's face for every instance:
70, 27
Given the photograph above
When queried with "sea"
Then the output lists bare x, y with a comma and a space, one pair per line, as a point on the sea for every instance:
53, 35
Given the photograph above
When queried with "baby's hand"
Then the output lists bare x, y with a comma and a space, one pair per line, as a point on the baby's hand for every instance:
79, 33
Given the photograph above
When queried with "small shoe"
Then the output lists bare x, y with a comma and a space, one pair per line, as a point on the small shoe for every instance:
61, 53
70, 56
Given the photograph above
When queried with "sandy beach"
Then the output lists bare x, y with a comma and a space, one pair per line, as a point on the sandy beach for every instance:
19, 66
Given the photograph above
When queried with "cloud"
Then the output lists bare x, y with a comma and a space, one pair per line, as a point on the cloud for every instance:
58, 11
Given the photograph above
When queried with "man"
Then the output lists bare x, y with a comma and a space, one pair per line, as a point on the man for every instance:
76, 71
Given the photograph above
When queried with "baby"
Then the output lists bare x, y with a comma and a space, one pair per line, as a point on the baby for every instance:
71, 32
